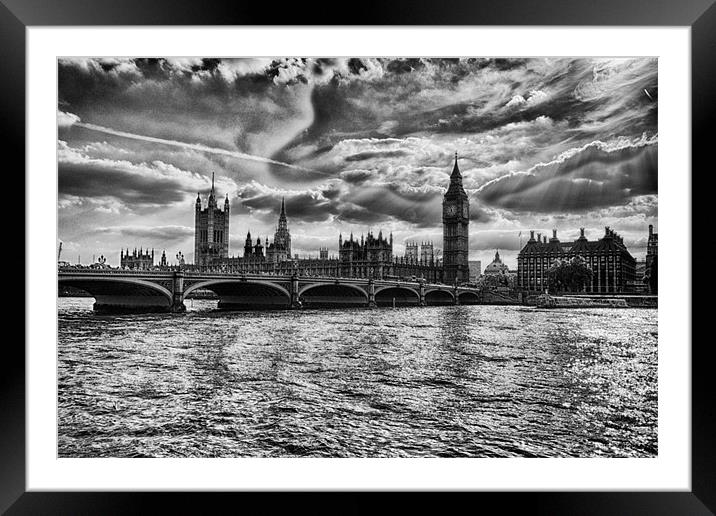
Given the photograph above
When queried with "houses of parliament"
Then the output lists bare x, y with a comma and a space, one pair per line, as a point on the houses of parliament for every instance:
368, 256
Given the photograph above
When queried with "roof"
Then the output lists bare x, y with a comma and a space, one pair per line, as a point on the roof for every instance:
455, 189
609, 243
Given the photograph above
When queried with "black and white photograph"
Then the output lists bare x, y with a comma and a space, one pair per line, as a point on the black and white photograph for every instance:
339, 257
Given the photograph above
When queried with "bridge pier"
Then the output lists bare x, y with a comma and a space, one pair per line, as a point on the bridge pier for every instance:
421, 290
371, 293
178, 308
178, 305
295, 301
130, 305
457, 296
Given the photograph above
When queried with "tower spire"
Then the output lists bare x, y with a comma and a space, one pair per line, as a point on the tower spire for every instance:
212, 197
456, 176
211, 194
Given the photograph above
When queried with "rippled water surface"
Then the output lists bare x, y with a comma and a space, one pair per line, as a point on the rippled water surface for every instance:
477, 381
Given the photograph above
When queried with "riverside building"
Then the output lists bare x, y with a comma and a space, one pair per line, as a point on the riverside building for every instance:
613, 267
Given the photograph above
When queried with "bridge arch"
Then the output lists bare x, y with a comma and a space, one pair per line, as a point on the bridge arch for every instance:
332, 294
122, 293
238, 294
469, 298
403, 296
436, 296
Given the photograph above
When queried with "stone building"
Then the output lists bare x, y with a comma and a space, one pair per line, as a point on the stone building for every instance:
496, 266
430, 271
475, 267
411, 251
140, 260
368, 258
456, 219
211, 229
280, 249
427, 252
652, 252
613, 267
416, 253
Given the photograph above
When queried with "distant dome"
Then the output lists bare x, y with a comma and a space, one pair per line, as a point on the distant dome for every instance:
496, 266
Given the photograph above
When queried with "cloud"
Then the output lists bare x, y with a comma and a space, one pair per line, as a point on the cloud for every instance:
356, 177
312, 205
154, 233
494, 240
357, 203
216, 103
480, 213
190, 146
533, 98
65, 120
591, 177
143, 184
361, 156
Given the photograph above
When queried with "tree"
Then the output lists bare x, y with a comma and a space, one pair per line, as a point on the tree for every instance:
500, 279
569, 275
555, 276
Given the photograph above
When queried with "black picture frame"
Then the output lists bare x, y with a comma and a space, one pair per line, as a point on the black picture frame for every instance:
700, 15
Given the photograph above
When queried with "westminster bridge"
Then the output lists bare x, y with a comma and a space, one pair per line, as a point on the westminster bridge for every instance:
166, 290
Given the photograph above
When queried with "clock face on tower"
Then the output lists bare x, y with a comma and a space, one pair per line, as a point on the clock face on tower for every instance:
450, 210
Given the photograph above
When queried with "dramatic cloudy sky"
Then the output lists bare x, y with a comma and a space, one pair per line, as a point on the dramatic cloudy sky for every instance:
353, 145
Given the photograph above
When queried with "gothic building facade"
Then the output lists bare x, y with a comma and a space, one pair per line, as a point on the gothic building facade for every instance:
613, 267
456, 220
427, 252
411, 251
496, 266
211, 229
368, 257
423, 252
280, 249
371, 256
141, 259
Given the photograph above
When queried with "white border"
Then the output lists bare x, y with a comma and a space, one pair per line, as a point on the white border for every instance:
671, 470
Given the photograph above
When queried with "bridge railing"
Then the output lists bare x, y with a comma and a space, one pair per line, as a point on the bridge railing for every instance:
113, 272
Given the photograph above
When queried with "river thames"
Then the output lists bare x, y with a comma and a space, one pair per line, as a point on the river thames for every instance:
449, 381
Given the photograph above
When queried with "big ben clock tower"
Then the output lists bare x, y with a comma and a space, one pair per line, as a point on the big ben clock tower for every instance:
456, 218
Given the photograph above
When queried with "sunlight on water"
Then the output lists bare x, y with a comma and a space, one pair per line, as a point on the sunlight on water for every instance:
473, 381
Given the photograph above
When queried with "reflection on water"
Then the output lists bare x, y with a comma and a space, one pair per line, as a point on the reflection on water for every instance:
473, 381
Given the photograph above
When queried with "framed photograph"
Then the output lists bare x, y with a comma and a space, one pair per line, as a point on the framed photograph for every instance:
416, 253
